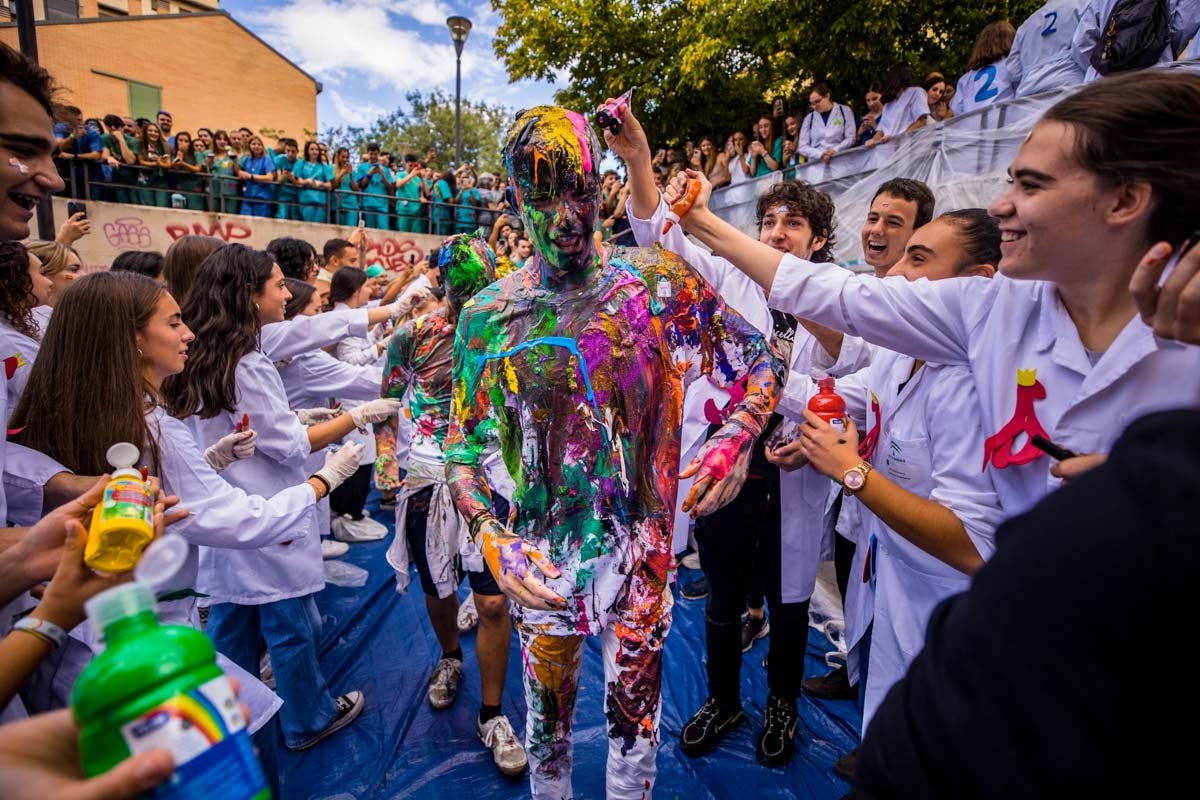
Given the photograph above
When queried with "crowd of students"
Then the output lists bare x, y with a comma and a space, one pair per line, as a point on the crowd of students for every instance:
1056, 47
1051, 314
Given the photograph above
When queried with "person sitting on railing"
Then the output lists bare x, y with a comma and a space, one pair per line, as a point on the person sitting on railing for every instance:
191, 159
904, 105
829, 127
986, 80
766, 151
870, 121
287, 193
154, 156
1040, 58
257, 172
313, 176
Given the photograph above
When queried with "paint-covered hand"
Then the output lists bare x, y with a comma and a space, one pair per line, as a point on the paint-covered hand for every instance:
631, 144
828, 449
720, 469
512, 561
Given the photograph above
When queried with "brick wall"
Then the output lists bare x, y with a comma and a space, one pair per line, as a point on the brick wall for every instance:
212, 71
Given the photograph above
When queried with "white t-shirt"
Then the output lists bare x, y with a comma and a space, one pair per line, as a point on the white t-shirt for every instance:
910, 106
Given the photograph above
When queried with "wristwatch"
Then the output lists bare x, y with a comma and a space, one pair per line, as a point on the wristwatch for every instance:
856, 477
48, 632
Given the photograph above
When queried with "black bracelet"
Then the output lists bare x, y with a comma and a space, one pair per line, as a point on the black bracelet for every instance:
325, 483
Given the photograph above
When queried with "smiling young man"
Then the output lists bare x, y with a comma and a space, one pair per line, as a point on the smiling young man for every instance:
578, 362
899, 207
27, 171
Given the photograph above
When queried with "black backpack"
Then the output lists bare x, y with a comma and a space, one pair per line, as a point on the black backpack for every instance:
1134, 36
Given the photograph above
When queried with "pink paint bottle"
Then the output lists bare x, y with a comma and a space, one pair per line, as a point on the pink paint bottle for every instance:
828, 404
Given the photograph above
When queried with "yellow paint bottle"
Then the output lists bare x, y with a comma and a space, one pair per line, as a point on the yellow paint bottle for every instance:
123, 522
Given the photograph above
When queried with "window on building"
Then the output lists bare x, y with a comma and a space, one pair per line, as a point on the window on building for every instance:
62, 10
160, 6
144, 99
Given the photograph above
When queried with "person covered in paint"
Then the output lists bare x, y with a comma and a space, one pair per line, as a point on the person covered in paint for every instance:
578, 362
429, 531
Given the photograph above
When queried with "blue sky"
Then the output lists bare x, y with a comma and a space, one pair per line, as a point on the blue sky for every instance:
369, 53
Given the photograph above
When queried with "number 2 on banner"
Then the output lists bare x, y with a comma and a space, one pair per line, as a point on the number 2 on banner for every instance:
986, 92
1051, 18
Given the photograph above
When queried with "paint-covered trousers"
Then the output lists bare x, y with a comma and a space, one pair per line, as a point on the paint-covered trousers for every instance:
632, 653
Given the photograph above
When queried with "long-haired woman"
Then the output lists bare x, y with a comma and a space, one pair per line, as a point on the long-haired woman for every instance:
314, 177
190, 159
183, 259
716, 162
986, 80
265, 594
225, 170
154, 157
257, 171
22, 288
766, 149
60, 263
105, 355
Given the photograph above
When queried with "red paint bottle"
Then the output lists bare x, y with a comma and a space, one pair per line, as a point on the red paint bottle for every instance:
828, 404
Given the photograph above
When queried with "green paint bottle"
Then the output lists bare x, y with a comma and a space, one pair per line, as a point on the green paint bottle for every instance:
159, 686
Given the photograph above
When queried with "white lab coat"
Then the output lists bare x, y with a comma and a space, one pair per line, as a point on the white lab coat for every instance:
282, 340
276, 571
360, 351
17, 353
26, 473
817, 135
982, 87
1041, 57
998, 327
1183, 20
804, 494
898, 115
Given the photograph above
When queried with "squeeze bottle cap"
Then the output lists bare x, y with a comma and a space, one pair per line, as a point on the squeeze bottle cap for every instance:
118, 603
122, 456
826, 383
161, 561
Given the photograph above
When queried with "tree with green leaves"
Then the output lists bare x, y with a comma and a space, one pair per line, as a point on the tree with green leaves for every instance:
428, 123
712, 66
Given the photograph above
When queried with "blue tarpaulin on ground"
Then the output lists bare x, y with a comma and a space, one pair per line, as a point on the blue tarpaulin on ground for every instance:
380, 642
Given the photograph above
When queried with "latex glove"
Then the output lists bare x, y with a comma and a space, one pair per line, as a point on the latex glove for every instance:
231, 448
375, 411
408, 301
341, 464
314, 416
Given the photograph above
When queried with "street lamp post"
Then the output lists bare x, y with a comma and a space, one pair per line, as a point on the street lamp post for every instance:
459, 28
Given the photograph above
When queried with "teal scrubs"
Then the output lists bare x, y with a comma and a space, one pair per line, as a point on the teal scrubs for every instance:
312, 201
287, 194
375, 197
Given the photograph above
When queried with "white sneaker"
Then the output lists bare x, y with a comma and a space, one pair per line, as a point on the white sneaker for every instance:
497, 735
443, 686
468, 616
350, 530
333, 549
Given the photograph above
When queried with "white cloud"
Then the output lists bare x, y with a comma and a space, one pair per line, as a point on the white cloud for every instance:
379, 50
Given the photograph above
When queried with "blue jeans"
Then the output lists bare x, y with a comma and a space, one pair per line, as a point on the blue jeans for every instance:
292, 631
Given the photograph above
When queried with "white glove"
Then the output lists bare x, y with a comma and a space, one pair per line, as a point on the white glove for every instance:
230, 448
375, 411
314, 416
408, 301
340, 464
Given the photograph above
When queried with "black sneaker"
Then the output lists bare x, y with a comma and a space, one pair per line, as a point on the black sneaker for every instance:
707, 727
775, 743
845, 765
696, 590
834, 686
753, 629
349, 706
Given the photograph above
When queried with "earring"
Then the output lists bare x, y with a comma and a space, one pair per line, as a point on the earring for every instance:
256, 308
140, 353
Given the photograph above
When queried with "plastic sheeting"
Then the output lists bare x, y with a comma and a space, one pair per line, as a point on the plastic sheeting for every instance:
964, 160
381, 642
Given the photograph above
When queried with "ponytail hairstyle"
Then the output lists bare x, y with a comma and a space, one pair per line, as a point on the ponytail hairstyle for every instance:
220, 311
16, 289
1140, 127
345, 284
89, 372
979, 233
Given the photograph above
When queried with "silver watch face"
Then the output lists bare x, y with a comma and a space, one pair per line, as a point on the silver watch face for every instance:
853, 480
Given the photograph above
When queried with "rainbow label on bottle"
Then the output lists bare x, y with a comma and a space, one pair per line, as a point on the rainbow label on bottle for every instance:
205, 732
128, 499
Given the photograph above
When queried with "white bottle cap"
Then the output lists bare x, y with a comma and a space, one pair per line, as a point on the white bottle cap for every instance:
118, 603
161, 561
122, 456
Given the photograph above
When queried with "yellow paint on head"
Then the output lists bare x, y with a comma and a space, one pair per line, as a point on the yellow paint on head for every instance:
510, 375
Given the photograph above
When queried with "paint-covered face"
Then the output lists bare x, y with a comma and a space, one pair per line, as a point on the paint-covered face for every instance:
552, 157
465, 266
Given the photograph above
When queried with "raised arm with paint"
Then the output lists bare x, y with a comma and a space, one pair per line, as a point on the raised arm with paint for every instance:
577, 362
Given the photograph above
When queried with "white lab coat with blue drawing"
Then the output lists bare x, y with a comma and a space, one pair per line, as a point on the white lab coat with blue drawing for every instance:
1041, 57
982, 87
